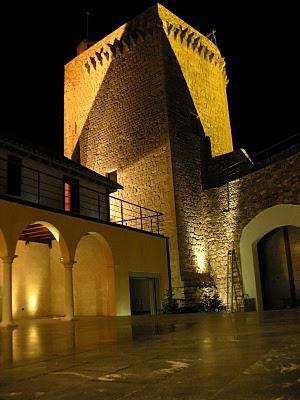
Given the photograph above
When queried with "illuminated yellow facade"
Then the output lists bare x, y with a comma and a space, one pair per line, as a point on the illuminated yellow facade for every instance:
105, 256
130, 100
149, 102
146, 105
61, 254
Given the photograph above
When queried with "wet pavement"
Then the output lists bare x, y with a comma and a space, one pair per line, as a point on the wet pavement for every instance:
191, 356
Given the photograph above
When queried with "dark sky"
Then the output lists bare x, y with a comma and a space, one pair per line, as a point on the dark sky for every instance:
260, 46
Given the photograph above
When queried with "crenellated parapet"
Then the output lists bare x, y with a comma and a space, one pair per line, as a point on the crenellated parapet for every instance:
197, 43
149, 100
155, 20
118, 47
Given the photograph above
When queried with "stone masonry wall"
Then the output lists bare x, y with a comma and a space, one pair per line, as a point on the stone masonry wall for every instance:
228, 209
203, 70
128, 103
115, 108
195, 86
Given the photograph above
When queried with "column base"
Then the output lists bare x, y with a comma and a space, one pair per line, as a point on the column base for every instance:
8, 325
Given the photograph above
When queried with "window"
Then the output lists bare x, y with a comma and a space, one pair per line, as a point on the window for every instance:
71, 194
67, 196
196, 125
113, 176
13, 181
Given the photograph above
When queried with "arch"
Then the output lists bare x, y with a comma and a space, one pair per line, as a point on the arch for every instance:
64, 249
258, 227
94, 276
37, 274
103, 242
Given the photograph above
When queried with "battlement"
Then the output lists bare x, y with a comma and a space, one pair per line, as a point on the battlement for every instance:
178, 30
139, 102
155, 20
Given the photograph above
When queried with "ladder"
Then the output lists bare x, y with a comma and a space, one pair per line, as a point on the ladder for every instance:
235, 291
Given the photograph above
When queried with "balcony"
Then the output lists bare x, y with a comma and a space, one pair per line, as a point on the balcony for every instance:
65, 194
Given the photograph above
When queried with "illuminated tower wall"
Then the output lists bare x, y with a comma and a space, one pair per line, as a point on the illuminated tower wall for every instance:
131, 102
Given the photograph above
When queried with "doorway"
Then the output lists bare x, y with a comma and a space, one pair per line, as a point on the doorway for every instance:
279, 265
143, 295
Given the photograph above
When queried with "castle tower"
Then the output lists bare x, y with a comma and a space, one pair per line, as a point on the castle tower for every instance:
145, 101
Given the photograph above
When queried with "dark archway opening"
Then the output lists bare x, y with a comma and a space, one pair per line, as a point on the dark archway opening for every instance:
279, 262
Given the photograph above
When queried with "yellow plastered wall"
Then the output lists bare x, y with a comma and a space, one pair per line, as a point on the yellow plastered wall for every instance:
94, 283
126, 251
57, 281
31, 295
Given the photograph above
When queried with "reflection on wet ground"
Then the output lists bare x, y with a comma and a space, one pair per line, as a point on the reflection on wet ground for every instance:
190, 356
43, 338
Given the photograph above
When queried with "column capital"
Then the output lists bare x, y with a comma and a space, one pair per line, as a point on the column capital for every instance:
68, 263
8, 259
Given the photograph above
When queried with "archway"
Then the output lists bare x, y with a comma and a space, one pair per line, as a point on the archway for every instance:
279, 264
38, 276
94, 277
263, 223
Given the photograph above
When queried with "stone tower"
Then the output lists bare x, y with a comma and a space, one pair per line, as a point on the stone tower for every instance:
149, 101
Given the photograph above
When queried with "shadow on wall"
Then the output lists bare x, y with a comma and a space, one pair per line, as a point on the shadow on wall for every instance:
133, 114
127, 120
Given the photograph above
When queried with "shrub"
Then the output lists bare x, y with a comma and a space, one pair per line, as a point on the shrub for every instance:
169, 304
206, 300
209, 300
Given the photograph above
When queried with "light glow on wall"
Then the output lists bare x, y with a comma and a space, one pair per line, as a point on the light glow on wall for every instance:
32, 301
201, 256
204, 57
82, 84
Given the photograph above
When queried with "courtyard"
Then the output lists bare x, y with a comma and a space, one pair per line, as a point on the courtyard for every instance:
228, 356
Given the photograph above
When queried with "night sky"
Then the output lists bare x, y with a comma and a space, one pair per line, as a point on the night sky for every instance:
260, 46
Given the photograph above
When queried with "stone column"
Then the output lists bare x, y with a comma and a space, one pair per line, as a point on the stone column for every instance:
69, 297
7, 319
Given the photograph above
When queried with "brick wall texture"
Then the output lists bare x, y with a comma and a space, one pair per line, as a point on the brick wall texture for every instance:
229, 208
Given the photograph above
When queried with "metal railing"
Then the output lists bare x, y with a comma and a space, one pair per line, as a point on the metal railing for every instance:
227, 173
49, 191
128, 214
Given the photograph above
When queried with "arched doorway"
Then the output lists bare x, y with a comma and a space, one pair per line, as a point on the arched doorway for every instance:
94, 277
279, 264
38, 275
266, 221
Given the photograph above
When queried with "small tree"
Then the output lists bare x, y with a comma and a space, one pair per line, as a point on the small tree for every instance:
169, 304
205, 297
209, 300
